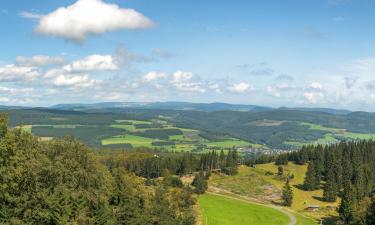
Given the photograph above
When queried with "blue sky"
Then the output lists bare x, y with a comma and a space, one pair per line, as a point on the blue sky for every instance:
289, 53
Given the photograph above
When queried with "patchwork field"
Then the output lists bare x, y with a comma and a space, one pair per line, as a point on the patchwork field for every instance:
219, 210
155, 133
333, 135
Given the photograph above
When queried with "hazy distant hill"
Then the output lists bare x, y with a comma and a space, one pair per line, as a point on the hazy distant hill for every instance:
208, 107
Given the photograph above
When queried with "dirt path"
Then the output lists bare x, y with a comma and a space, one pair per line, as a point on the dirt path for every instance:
293, 219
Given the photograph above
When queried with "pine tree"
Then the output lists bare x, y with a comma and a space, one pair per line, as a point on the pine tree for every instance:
370, 216
200, 183
330, 187
311, 182
347, 207
287, 194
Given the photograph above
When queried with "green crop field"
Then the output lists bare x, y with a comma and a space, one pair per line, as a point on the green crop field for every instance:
219, 210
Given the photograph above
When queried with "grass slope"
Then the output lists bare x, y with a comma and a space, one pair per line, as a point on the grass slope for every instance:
218, 210
255, 184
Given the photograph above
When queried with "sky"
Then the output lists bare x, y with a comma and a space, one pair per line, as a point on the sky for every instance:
300, 53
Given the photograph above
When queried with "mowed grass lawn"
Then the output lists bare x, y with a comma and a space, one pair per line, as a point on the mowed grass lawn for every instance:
218, 210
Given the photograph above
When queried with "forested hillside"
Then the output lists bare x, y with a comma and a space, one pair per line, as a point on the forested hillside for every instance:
345, 170
265, 128
63, 182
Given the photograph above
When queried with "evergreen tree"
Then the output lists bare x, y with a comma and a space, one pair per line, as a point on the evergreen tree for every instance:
347, 207
370, 216
311, 182
200, 183
330, 186
280, 171
287, 194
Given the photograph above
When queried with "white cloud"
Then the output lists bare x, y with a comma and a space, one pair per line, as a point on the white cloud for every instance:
152, 76
273, 92
313, 97
17, 73
215, 87
316, 85
74, 80
181, 76
191, 87
241, 87
87, 17
30, 15
92, 63
4, 99
39, 60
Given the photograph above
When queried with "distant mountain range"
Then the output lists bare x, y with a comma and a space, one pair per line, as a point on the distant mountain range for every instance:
205, 107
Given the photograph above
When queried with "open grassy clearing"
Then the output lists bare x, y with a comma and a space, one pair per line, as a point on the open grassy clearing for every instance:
302, 198
218, 210
334, 136
340, 132
255, 184
135, 141
249, 183
229, 143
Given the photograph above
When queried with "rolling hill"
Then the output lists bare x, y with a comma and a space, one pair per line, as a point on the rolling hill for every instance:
215, 122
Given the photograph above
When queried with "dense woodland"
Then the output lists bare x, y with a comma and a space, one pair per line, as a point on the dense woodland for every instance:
63, 182
212, 124
345, 170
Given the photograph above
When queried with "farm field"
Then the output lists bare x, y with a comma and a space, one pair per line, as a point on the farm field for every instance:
154, 133
219, 210
334, 135
255, 184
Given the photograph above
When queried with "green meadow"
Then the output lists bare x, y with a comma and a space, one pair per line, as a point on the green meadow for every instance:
219, 210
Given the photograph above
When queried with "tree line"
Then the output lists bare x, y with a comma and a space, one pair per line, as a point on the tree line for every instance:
148, 163
345, 170
63, 182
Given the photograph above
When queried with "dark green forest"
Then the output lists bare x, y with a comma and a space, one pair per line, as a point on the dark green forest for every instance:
253, 126
62, 181
345, 170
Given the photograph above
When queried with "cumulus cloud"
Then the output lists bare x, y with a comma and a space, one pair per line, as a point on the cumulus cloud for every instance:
14, 95
350, 81
278, 89
181, 76
74, 80
313, 97
87, 17
241, 87
153, 76
93, 62
39, 60
316, 85
191, 87
17, 73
